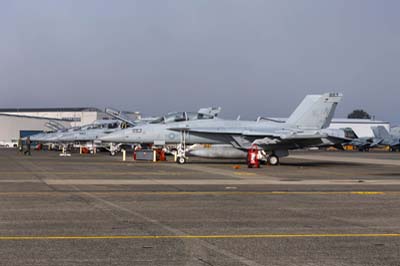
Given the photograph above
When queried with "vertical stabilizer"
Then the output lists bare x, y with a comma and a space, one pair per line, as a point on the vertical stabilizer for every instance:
381, 132
315, 111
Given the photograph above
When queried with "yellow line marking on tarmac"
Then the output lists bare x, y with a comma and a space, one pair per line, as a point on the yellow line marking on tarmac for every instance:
199, 193
244, 173
369, 192
111, 237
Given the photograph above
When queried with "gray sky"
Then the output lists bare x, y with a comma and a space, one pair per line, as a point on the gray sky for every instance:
250, 57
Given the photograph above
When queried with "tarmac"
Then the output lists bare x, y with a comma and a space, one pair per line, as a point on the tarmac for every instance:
316, 208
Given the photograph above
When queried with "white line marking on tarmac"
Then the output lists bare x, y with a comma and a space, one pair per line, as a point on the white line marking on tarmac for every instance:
346, 159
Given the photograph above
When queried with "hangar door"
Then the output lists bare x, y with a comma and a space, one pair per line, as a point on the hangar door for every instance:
26, 133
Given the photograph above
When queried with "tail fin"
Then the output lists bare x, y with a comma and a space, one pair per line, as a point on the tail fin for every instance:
395, 131
381, 132
315, 111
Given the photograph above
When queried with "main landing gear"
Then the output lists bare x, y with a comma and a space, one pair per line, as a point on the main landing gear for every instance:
254, 156
114, 149
273, 160
181, 150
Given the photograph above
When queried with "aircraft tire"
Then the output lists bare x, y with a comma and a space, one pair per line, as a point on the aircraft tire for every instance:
181, 160
273, 160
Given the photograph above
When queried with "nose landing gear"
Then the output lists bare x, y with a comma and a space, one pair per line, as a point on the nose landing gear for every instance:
181, 152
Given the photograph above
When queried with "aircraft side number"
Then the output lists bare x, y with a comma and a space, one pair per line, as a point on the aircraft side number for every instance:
136, 130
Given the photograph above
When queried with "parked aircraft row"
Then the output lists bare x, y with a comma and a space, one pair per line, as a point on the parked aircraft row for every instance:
189, 131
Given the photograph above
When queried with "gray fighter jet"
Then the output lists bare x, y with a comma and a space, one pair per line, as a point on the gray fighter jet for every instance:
85, 135
88, 135
363, 144
203, 113
90, 132
304, 128
333, 138
386, 139
395, 131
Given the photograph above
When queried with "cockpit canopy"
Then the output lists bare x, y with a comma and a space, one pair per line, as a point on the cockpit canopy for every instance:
181, 116
102, 125
203, 113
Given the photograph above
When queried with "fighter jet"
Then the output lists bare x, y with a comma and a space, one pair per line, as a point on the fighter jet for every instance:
85, 135
386, 139
395, 131
362, 144
91, 132
88, 135
51, 136
333, 138
203, 113
302, 129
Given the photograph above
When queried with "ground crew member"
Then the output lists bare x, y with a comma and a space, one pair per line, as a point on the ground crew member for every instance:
20, 148
28, 146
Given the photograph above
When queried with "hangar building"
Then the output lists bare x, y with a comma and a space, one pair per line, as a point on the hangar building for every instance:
76, 116
18, 122
362, 127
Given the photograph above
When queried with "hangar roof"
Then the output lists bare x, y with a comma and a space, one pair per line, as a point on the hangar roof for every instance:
56, 109
33, 117
357, 121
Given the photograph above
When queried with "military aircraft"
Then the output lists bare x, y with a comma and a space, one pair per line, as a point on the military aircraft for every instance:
85, 135
386, 139
333, 138
88, 135
302, 129
363, 144
203, 113
51, 136
395, 131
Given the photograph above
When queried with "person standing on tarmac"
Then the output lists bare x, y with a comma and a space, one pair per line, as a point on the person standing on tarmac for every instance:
20, 148
28, 146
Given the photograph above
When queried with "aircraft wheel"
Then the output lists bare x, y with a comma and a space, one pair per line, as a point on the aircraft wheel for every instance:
181, 160
273, 159
113, 153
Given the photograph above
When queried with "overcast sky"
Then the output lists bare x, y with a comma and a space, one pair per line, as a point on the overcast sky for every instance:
250, 57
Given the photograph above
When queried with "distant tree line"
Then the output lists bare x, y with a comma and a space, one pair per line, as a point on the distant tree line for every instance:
359, 114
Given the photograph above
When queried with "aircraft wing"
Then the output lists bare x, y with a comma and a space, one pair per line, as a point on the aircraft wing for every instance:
244, 139
226, 131
250, 133
205, 130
